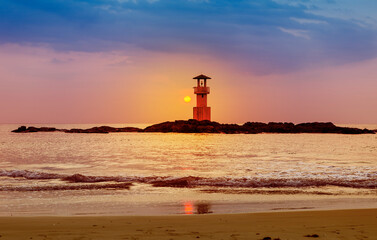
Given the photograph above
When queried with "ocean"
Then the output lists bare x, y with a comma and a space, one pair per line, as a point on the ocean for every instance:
179, 173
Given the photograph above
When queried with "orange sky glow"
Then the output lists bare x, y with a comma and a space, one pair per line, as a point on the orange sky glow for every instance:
41, 85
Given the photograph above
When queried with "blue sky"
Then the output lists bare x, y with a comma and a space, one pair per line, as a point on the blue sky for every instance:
263, 35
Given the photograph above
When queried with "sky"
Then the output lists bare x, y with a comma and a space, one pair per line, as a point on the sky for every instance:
132, 61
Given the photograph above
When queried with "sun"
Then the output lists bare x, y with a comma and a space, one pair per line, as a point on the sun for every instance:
187, 99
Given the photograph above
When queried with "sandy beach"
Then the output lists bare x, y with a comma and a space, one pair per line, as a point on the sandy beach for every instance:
334, 224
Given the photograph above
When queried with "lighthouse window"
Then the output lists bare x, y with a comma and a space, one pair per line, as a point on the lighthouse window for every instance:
201, 83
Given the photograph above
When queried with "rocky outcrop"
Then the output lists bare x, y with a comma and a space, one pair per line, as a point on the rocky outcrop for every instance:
314, 127
24, 129
194, 126
102, 129
190, 126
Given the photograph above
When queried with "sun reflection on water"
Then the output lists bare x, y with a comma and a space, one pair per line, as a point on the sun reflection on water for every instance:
189, 208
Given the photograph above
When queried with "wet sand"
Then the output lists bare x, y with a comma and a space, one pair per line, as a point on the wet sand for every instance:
334, 224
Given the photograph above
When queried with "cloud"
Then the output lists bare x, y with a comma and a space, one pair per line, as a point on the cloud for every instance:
296, 32
308, 21
253, 34
361, 12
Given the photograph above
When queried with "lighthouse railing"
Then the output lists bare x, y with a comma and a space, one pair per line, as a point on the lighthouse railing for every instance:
201, 90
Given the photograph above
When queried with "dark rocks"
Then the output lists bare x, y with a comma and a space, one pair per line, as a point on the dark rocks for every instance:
35, 129
190, 126
271, 127
20, 129
194, 126
90, 130
102, 129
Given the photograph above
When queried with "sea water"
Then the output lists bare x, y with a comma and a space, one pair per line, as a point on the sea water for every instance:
55, 173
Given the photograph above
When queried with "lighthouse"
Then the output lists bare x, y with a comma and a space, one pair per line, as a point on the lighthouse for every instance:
201, 111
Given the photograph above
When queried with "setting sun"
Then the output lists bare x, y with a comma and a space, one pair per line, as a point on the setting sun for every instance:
187, 99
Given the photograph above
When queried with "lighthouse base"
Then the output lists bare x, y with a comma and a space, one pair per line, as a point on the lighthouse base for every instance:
202, 113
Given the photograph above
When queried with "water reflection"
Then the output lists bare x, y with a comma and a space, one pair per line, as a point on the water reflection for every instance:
188, 207
201, 207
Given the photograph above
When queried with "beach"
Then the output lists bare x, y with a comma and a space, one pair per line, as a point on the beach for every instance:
334, 224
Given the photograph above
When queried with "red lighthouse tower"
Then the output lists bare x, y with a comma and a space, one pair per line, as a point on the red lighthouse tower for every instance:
201, 111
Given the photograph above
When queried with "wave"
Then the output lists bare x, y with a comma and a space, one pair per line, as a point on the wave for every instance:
28, 174
266, 182
289, 191
367, 182
67, 187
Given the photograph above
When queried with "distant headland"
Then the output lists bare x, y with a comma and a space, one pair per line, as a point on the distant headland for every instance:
206, 126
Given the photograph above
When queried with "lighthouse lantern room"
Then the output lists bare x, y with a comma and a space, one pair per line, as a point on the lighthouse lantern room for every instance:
201, 111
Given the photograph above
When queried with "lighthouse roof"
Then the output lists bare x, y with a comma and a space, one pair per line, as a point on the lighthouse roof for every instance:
201, 76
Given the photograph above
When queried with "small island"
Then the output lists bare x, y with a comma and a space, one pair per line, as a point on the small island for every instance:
206, 126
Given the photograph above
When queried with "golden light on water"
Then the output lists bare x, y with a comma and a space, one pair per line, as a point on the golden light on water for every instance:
189, 208
187, 99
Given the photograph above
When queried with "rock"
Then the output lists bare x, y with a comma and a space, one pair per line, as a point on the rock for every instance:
318, 127
194, 126
20, 129
34, 129
90, 130
102, 129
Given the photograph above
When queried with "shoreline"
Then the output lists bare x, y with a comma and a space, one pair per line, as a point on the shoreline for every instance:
190, 208
182, 214
177, 201
307, 224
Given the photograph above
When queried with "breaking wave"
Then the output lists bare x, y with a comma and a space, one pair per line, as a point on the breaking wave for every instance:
28, 174
367, 182
67, 187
